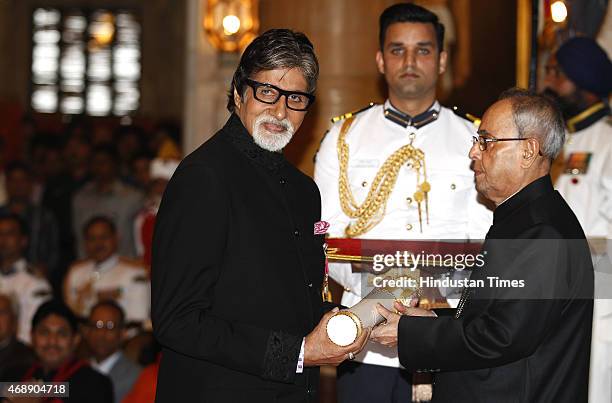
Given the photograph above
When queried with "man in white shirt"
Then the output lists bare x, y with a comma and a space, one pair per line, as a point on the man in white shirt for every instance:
17, 279
433, 195
105, 275
579, 76
105, 334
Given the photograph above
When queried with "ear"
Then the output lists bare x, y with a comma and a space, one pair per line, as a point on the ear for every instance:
237, 99
442, 62
380, 62
530, 149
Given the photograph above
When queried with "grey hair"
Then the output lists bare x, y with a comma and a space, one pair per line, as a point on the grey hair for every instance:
537, 116
275, 49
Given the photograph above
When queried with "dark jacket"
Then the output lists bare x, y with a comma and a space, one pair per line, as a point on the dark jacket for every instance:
516, 344
15, 358
86, 385
237, 273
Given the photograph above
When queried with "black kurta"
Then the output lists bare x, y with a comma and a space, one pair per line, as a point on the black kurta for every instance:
237, 273
527, 344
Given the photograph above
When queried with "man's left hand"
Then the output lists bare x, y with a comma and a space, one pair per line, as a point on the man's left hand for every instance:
386, 332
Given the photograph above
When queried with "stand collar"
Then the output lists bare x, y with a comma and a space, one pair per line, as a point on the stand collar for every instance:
534, 190
587, 117
405, 120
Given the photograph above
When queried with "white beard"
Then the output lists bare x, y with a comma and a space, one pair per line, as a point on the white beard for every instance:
269, 140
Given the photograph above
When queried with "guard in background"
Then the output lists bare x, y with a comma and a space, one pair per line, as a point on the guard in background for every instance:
397, 171
579, 76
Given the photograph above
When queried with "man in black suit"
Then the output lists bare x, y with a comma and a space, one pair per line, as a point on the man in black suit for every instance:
237, 268
520, 343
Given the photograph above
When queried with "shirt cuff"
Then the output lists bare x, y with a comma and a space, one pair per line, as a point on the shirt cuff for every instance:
300, 363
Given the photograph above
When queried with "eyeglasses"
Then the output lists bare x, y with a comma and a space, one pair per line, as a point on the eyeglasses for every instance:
100, 324
482, 141
270, 94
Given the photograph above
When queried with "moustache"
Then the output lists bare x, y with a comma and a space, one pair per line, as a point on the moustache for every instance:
285, 124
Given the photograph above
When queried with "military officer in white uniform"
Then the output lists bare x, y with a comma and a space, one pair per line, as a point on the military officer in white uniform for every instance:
579, 76
17, 280
107, 276
431, 196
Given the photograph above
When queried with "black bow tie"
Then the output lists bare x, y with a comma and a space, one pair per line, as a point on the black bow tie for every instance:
417, 121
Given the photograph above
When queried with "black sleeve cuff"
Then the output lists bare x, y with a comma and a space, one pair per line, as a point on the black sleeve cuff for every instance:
280, 359
445, 311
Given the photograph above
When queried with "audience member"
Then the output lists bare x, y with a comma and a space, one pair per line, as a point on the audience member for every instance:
105, 333
129, 140
106, 195
104, 275
77, 153
54, 340
165, 141
140, 168
17, 279
160, 174
43, 234
14, 355
145, 386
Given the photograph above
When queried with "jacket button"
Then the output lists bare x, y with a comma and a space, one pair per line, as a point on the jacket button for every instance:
296, 232
309, 285
282, 181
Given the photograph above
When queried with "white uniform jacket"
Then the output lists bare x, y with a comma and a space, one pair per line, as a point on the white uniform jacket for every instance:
120, 279
28, 291
454, 211
589, 194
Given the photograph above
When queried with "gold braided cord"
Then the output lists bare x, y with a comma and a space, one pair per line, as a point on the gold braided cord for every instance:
369, 213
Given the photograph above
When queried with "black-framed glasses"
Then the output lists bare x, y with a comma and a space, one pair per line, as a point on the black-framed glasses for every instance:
482, 141
270, 94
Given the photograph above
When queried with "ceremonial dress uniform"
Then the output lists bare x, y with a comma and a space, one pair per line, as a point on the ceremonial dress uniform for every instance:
585, 182
28, 291
450, 211
117, 278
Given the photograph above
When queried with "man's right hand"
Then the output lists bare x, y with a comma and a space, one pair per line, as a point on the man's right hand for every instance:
319, 349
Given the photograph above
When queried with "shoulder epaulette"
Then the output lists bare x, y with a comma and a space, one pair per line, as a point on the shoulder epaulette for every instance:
467, 116
349, 114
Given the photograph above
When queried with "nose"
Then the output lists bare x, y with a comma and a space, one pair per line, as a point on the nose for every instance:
410, 58
475, 152
279, 109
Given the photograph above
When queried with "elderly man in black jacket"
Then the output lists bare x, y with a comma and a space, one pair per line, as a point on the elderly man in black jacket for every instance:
237, 266
524, 335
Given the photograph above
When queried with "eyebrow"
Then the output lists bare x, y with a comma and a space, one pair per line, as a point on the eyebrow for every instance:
482, 131
425, 43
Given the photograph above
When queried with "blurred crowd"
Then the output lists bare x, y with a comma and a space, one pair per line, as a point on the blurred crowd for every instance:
77, 211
